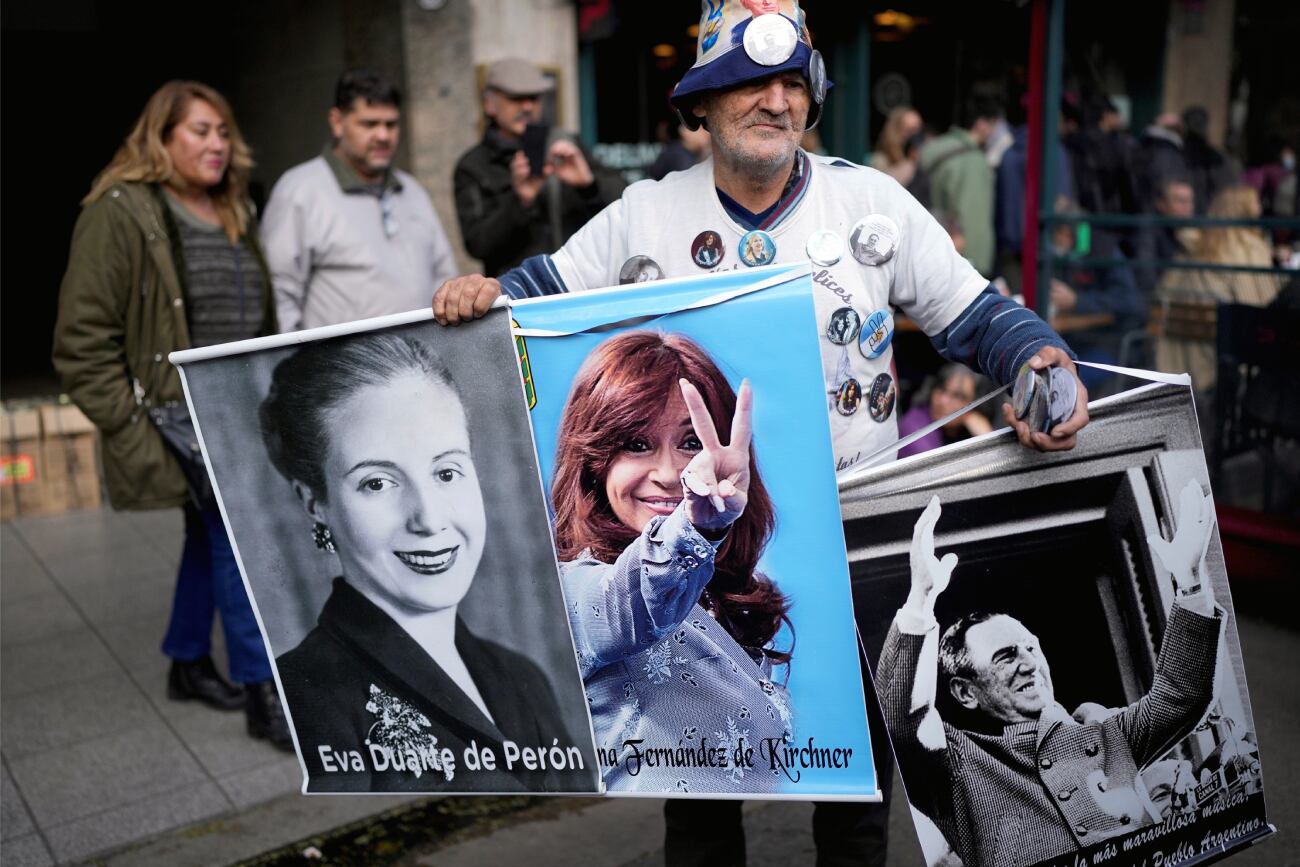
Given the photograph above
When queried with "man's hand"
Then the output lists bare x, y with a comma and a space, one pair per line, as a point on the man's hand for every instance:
566, 162
1063, 297
1185, 555
715, 483
526, 186
930, 575
1061, 437
461, 299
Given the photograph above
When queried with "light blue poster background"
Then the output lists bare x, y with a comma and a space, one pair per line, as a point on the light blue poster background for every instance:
769, 336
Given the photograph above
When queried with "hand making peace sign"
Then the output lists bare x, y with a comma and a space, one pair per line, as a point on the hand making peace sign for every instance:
715, 483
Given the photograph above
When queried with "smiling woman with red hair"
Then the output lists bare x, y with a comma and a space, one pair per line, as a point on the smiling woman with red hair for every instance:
659, 529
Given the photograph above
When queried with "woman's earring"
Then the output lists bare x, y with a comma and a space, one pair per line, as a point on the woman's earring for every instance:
324, 539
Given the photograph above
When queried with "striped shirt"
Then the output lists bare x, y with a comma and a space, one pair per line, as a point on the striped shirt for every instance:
222, 280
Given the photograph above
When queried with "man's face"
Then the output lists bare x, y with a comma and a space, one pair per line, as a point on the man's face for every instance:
367, 136
1177, 201
756, 127
512, 113
1012, 682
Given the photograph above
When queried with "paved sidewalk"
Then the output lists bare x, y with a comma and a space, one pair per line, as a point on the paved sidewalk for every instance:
94, 754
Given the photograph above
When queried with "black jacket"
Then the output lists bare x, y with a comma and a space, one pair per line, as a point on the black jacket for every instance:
501, 231
363, 695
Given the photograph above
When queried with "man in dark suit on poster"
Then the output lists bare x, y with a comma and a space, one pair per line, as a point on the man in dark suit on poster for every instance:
1030, 781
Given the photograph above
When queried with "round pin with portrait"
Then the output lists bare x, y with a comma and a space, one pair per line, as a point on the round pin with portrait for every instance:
707, 250
848, 397
757, 248
639, 269
824, 247
877, 334
880, 402
770, 39
874, 239
843, 326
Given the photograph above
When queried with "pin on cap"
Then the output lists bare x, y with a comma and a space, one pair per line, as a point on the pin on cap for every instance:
770, 39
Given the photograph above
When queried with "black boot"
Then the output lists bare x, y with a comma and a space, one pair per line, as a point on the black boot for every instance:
266, 717
200, 680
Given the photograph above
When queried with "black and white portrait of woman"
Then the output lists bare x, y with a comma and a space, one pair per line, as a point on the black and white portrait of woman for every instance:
433, 654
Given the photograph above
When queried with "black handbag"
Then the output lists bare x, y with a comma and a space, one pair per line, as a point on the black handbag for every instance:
177, 428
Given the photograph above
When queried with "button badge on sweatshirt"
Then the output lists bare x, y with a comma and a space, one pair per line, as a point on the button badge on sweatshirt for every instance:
639, 269
707, 249
874, 239
877, 334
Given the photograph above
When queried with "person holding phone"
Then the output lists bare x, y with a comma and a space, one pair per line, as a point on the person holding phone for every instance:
526, 187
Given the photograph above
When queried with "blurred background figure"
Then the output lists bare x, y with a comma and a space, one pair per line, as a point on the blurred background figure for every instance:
1219, 245
1160, 155
890, 155
1207, 167
513, 204
953, 387
1110, 291
688, 147
1174, 198
959, 180
181, 175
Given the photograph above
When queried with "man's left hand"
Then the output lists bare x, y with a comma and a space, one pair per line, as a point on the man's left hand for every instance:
1063, 436
566, 162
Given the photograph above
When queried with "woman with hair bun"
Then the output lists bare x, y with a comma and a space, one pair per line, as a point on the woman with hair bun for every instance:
391, 689
661, 518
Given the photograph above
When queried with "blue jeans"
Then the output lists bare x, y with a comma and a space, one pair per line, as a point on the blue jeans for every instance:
208, 581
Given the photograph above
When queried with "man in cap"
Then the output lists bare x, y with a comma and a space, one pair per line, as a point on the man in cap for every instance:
1023, 780
757, 86
507, 213
347, 235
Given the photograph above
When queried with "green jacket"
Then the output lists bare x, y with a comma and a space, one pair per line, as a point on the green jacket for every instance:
121, 311
961, 185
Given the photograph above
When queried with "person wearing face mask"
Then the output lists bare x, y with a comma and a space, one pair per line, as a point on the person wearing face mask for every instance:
348, 235
1022, 780
508, 211
373, 435
165, 257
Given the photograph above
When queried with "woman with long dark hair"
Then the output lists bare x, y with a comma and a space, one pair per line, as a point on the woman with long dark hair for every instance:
661, 519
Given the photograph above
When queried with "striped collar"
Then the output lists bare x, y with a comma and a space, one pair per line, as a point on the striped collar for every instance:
771, 217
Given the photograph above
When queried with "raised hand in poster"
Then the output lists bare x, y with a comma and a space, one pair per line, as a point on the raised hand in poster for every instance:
715, 483
1185, 555
930, 575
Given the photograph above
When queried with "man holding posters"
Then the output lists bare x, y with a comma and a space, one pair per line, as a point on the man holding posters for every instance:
1028, 780
758, 85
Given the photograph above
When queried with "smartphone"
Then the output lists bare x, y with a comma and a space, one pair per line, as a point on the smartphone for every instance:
535, 135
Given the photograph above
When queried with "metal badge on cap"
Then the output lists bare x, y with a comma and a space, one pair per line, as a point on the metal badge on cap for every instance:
770, 39
824, 248
817, 77
874, 239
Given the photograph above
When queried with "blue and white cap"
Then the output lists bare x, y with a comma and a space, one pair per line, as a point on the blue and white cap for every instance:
741, 40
